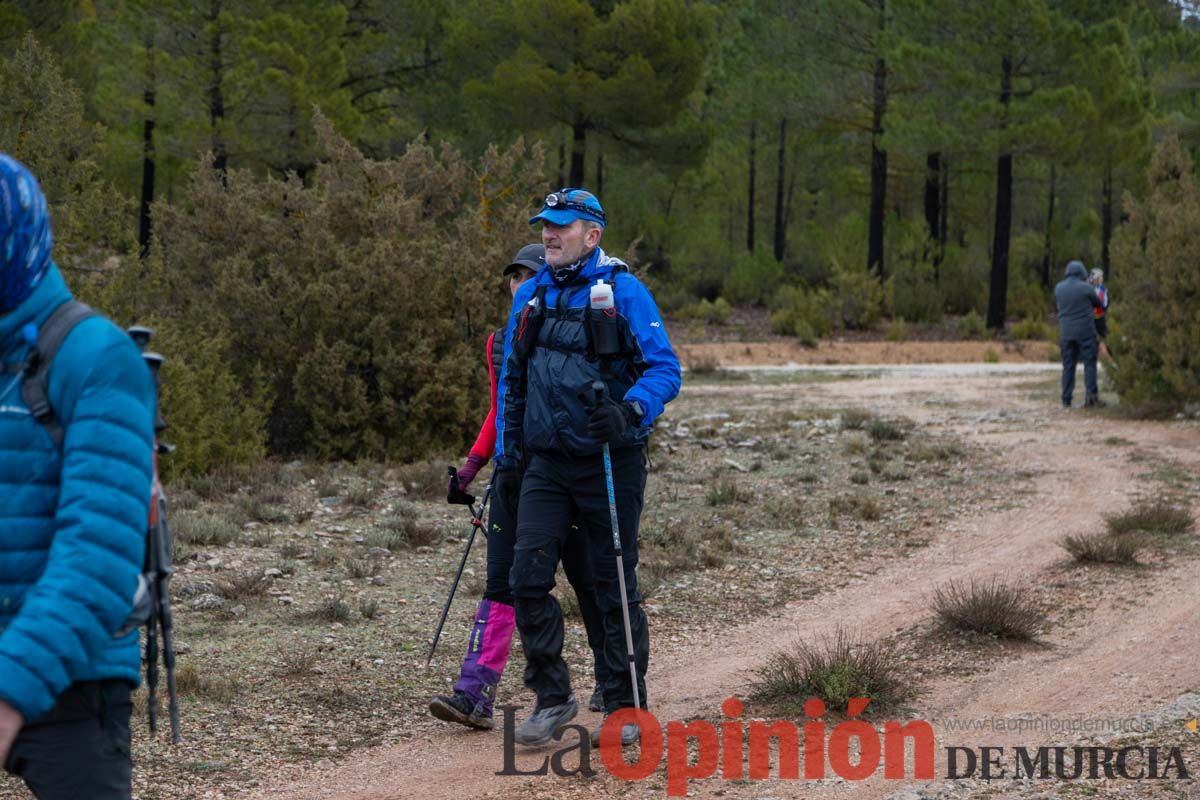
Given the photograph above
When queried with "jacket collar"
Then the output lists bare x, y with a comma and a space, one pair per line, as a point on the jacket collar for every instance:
50, 293
599, 265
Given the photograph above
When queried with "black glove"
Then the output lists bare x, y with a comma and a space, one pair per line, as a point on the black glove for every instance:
608, 420
506, 485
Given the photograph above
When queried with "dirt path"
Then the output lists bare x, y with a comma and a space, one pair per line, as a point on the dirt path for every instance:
1114, 660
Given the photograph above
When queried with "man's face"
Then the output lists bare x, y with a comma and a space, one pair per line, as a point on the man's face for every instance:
566, 244
515, 279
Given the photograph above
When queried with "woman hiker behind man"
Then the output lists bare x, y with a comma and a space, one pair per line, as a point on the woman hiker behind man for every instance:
491, 638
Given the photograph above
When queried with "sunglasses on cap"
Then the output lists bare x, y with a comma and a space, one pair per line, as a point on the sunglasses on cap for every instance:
560, 200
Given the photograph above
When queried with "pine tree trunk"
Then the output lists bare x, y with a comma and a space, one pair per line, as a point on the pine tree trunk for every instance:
879, 161
998, 293
578, 151
1106, 219
216, 97
562, 166
600, 175
147, 155
1048, 246
750, 191
933, 196
780, 224
943, 223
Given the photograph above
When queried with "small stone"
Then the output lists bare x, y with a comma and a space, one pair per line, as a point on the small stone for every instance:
238, 610
378, 580
273, 572
206, 602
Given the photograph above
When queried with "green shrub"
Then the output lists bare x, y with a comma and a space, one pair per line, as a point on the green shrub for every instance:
897, 331
192, 527
725, 493
1158, 515
753, 279
835, 671
859, 299
881, 430
802, 313
972, 326
714, 312
912, 290
990, 356
1155, 317
988, 607
1032, 329
1118, 549
964, 280
355, 346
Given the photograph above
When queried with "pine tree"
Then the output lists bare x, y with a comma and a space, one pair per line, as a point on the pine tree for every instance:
1156, 323
621, 74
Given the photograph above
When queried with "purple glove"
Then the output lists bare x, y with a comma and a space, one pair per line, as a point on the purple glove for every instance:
467, 472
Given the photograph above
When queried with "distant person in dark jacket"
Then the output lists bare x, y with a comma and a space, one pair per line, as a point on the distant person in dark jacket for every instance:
72, 525
1076, 298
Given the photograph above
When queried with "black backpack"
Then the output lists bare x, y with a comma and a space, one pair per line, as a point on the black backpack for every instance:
151, 607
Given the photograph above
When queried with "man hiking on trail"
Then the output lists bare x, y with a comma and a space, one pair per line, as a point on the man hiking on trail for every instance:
491, 638
1076, 298
552, 429
72, 523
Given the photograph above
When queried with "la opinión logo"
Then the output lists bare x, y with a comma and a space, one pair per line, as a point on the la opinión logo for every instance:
729, 747
737, 749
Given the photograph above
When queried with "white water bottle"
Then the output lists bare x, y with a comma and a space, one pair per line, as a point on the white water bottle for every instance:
603, 319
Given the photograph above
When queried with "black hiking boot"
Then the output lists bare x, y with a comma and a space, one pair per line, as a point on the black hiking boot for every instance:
458, 708
543, 723
596, 702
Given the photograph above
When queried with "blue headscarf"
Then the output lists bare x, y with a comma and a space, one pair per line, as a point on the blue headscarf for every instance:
25, 237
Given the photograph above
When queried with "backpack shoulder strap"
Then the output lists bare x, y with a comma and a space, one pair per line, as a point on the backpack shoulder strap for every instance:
35, 389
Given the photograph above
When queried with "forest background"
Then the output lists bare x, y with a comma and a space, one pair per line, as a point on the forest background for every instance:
311, 200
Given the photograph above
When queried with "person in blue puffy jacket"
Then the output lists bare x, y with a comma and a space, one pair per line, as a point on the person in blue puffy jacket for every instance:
551, 428
72, 525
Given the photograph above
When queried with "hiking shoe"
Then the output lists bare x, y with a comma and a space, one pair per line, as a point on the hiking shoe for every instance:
630, 733
1094, 402
596, 703
543, 723
459, 708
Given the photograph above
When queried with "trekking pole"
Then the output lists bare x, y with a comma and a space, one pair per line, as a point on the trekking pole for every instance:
158, 561
601, 391
476, 523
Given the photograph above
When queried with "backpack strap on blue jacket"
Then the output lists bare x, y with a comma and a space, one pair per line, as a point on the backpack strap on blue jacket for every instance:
35, 388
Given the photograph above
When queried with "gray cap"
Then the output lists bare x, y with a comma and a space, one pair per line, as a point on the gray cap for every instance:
532, 256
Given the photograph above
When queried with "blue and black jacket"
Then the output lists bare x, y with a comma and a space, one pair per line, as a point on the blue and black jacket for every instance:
549, 363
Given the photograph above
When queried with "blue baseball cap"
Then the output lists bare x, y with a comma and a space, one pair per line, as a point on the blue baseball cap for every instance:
567, 205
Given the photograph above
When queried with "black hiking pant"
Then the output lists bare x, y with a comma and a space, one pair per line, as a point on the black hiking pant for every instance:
501, 538
80, 748
1072, 351
557, 489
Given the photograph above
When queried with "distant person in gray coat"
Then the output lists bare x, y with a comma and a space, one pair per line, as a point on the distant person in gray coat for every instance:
1076, 298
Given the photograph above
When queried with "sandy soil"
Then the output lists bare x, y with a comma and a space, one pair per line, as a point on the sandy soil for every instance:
1126, 655
837, 351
